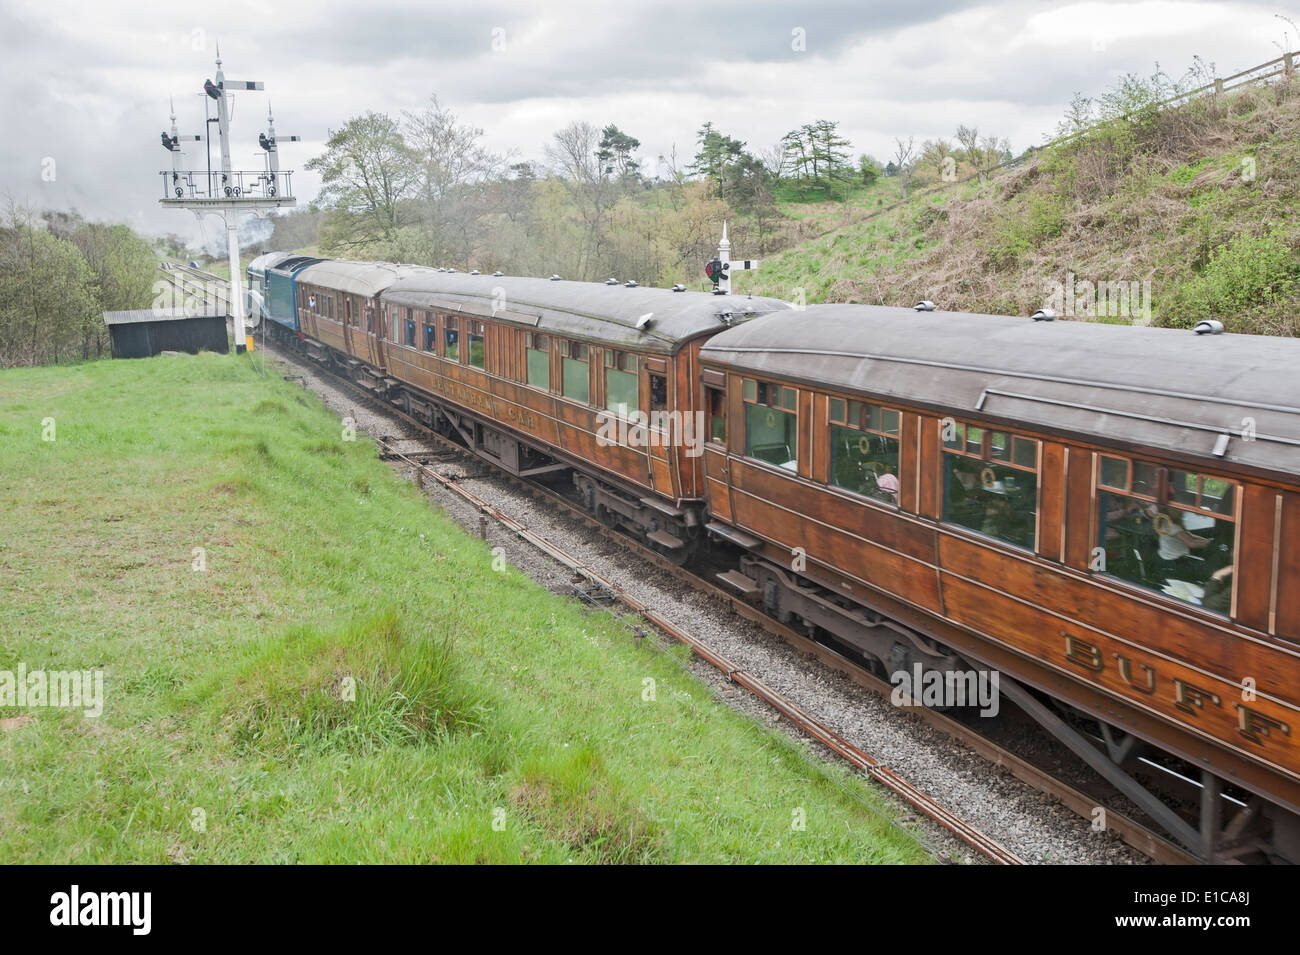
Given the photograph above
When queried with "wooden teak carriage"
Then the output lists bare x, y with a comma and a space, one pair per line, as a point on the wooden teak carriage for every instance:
1104, 514
541, 376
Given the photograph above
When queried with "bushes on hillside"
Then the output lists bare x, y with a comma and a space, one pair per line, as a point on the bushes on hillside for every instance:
1247, 273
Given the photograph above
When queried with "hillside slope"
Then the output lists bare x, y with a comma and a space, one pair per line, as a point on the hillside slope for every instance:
300, 660
1197, 205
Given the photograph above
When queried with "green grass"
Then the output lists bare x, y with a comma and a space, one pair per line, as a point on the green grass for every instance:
348, 679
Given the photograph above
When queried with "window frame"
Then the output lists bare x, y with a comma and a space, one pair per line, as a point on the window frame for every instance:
450, 324
845, 418
984, 454
625, 363
761, 390
567, 347
475, 330
531, 346
1157, 497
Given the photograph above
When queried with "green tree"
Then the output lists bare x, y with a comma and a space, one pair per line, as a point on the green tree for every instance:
367, 173
47, 293
717, 153
614, 154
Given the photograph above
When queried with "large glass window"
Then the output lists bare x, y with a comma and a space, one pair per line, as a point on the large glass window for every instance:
991, 482
430, 336
772, 423
451, 338
537, 350
576, 379
621, 382
1168, 530
864, 449
477, 345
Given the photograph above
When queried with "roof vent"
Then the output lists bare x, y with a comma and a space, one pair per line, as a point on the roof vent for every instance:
451, 270
611, 281
645, 321
1209, 327
497, 274
679, 288
1221, 444
555, 278
475, 272
925, 305
1044, 315
726, 317
630, 284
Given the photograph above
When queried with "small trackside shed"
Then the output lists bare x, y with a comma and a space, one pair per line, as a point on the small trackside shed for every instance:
148, 331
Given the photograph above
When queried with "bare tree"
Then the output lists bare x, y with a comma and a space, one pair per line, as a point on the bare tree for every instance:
451, 166
903, 160
572, 155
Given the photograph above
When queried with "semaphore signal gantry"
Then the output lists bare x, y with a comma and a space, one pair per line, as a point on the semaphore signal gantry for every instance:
227, 192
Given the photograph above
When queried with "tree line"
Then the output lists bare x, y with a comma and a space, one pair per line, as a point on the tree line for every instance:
58, 274
422, 187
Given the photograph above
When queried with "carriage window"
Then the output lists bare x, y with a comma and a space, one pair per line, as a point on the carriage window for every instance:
329, 306
621, 382
991, 483
430, 337
537, 351
477, 346
575, 381
864, 449
658, 393
410, 333
715, 400
771, 423
451, 338
370, 318
1167, 530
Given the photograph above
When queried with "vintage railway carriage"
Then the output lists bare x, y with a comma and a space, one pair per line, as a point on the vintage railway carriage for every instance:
339, 314
542, 375
1106, 514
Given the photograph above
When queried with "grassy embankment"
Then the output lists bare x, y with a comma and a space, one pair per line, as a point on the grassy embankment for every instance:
1202, 201
226, 735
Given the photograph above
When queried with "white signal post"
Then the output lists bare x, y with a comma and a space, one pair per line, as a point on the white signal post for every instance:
269, 143
229, 194
172, 144
724, 256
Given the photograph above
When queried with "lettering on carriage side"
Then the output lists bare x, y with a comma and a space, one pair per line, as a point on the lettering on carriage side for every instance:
1126, 673
466, 396
1083, 653
521, 417
1254, 725
1190, 698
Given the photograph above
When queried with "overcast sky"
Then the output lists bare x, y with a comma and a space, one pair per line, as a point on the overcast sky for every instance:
87, 83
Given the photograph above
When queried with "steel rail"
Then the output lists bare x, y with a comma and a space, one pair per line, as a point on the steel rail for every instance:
791, 711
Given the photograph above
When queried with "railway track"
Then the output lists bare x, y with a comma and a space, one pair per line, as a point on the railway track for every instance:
1133, 832
795, 714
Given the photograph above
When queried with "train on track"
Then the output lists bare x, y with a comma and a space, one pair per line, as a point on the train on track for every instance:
1099, 513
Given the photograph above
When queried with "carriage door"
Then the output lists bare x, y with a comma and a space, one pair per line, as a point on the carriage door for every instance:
371, 329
